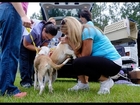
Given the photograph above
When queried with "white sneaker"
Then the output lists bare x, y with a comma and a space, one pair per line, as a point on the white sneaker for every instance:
79, 86
105, 86
79, 81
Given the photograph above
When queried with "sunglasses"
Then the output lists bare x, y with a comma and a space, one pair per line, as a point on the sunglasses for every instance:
63, 22
62, 25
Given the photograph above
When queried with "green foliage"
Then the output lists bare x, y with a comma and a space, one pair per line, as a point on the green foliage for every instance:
131, 10
105, 13
100, 19
37, 16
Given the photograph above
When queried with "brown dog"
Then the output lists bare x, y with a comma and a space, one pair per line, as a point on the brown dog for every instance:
45, 69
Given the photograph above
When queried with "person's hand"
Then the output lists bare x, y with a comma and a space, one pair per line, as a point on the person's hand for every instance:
27, 22
32, 21
64, 39
51, 51
38, 49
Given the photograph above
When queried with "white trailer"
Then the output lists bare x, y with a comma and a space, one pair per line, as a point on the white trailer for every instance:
121, 34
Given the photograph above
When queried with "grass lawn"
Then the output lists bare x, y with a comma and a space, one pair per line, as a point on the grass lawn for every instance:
119, 93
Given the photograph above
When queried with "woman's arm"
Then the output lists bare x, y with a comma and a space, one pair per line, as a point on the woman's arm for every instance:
86, 48
30, 46
19, 8
26, 21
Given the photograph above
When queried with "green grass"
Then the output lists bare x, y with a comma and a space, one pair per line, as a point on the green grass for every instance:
119, 93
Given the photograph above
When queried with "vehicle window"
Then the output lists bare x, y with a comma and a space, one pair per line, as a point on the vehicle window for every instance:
59, 12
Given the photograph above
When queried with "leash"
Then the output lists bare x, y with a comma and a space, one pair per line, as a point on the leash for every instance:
28, 29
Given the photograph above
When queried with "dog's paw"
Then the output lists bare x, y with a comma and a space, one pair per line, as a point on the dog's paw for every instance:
74, 57
51, 91
36, 88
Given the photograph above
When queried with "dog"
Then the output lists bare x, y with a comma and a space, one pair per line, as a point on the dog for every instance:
44, 69
61, 52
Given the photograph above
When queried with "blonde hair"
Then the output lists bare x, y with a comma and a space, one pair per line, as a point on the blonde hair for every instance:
51, 19
74, 30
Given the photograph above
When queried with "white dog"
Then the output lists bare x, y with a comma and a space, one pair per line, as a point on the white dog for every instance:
44, 50
45, 67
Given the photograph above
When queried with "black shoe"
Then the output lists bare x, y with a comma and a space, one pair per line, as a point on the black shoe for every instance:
27, 85
32, 84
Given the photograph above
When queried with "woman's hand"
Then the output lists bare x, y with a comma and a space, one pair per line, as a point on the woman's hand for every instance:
64, 39
38, 49
27, 22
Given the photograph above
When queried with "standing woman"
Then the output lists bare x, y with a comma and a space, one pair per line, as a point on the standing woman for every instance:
12, 17
40, 35
86, 18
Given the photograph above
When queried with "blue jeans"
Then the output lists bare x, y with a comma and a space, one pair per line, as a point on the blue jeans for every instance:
10, 35
26, 69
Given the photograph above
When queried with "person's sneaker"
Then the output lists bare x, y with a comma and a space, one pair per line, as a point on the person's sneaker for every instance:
27, 85
79, 81
79, 86
105, 86
20, 95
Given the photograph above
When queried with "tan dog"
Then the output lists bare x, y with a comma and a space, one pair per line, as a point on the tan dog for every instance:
61, 52
44, 68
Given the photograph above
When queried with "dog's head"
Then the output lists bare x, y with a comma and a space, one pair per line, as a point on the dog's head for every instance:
44, 50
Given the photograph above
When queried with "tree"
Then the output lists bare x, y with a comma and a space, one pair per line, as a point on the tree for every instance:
104, 13
37, 15
131, 10
99, 18
116, 12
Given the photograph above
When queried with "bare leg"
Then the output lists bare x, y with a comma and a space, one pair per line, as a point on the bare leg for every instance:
86, 78
102, 78
83, 79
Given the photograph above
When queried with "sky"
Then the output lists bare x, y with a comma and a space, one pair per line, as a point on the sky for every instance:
32, 8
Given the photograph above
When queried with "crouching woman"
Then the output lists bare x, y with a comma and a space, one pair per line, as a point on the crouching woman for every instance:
96, 56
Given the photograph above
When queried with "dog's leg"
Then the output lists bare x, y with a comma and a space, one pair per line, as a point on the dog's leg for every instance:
35, 79
46, 78
54, 76
70, 52
50, 81
41, 84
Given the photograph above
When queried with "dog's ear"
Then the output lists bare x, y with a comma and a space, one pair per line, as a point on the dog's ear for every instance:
50, 53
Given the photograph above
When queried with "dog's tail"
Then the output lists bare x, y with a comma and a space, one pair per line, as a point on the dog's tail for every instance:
58, 66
